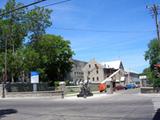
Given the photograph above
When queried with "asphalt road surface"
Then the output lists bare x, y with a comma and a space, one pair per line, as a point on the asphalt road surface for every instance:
124, 105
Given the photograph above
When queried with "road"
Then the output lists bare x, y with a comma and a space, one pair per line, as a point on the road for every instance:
124, 105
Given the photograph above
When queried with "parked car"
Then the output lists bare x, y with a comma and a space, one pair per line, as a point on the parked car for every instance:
130, 86
119, 87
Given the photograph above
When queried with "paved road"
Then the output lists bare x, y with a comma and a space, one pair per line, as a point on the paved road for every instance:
120, 106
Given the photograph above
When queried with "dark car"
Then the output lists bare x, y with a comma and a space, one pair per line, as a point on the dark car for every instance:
119, 87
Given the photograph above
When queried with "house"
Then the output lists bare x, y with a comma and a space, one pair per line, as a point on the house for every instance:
76, 75
103, 72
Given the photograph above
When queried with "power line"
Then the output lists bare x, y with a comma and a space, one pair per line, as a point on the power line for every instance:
101, 31
25, 6
56, 3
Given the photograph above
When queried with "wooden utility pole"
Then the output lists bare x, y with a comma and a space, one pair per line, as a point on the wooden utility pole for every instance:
154, 11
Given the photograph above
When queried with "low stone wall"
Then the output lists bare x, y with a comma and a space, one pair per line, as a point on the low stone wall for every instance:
58, 92
76, 89
147, 90
94, 86
33, 94
72, 89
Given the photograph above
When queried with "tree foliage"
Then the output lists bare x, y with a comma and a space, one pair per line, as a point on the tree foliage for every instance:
29, 47
153, 52
55, 53
153, 56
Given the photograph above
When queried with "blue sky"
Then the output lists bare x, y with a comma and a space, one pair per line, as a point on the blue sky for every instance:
105, 29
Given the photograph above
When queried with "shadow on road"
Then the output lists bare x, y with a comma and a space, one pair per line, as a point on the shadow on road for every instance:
157, 115
5, 112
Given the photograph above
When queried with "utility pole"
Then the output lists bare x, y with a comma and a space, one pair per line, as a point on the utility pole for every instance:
154, 11
5, 61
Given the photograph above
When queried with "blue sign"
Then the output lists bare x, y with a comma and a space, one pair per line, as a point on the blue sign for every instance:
34, 77
34, 73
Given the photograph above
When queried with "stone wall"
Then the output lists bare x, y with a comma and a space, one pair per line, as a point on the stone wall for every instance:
34, 94
94, 86
147, 90
72, 89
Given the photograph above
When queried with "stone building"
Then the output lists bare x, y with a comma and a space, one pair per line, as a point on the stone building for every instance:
76, 75
104, 72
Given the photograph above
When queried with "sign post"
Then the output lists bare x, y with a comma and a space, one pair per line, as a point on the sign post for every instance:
34, 80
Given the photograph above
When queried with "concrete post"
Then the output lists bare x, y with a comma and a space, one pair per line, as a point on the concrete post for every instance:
111, 88
62, 87
1, 89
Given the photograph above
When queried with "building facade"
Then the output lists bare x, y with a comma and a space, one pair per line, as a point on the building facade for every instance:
102, 72
93, 72
76, 75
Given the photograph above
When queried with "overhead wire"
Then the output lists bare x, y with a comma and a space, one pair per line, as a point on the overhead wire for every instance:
102, 31
22, 7
28, 5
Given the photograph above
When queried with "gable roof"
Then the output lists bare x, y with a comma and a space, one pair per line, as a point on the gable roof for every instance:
112, 64
93, 61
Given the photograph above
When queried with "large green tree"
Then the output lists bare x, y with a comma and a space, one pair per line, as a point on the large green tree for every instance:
153, 56
55, 54
153, 53
15, 27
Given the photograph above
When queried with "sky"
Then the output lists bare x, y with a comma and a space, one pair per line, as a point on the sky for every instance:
104, 30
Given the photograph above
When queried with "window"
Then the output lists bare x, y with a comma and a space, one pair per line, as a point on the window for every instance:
88, 72
97, 71
96, 66
93, 78
97, 78
89, 65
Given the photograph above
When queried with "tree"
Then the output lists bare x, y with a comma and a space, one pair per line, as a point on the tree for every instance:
55, 54
22, 62
153, 56
153, 53
15, 23
48, 54
15, 27
38, 20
